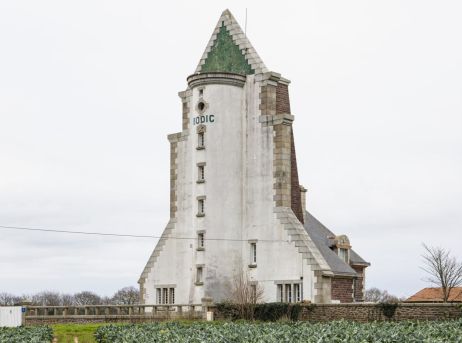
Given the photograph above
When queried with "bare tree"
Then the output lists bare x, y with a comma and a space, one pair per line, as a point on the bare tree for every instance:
47, 298
245, 294
67, 300
7, 299
105, 300
126, 296
378, 296
443, 269
87, 298
373, 295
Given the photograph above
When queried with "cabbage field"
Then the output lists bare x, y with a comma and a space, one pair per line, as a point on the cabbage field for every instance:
27, 334
332, 332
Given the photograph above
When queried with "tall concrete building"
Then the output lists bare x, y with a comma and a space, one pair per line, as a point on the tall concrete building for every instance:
236, 205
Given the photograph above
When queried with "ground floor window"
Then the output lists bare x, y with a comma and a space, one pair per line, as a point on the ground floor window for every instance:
165, 296
289, 292
297, 295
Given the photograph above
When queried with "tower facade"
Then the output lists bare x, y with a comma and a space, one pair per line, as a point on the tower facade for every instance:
236, 206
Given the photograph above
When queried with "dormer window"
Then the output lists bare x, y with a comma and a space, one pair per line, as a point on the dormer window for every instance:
340, 245
343, 254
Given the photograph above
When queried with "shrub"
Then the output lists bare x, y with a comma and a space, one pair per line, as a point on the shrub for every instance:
28, 334
264, 312
388, 309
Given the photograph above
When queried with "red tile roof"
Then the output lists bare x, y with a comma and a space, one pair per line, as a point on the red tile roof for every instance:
435, 295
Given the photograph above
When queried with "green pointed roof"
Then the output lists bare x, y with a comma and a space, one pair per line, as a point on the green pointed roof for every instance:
226, 56
229, 50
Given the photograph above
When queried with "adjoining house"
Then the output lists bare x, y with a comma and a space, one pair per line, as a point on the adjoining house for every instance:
435, 295
236, 204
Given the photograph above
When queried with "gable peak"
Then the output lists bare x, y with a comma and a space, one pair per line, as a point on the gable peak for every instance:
229, 50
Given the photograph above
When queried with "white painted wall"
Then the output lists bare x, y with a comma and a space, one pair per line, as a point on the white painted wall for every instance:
239, 205
10, 316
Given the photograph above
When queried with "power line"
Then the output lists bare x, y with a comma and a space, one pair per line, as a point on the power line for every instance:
129, 235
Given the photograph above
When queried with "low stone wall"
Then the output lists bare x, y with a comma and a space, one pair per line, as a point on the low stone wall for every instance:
47, 320
361, 312
35, 315
377, 312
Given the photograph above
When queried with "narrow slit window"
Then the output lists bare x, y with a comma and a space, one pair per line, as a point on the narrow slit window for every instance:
199, 272
253, 253
201, 140
201, 207
201, 173
253, 293
200, 240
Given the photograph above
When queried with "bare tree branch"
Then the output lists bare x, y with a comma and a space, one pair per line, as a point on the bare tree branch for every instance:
443, 270
245, 294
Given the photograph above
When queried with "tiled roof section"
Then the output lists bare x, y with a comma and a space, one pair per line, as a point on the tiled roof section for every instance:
239, 38
320, 236
225, 56
433, 294
355, 259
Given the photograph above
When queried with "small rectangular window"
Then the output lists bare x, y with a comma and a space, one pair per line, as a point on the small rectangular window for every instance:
199, 275
253, 253
201, 173
253, 293
201, 92
172, 296
201, 140
200, 240
201, 207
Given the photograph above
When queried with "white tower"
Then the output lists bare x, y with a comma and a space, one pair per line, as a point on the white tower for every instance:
235, 201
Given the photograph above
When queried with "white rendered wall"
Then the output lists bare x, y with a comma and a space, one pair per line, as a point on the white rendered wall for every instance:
222, 187
239, 205
10, 316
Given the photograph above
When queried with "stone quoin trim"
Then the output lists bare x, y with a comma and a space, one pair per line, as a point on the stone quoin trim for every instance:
186, 97
282, 182
173, 173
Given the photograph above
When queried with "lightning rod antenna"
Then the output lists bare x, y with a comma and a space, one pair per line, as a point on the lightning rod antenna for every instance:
245, 26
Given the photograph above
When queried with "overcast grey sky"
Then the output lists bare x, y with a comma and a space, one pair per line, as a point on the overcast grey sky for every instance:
88, 93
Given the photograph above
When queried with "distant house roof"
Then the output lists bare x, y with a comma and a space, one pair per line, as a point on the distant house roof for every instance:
321, 237
432, 294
